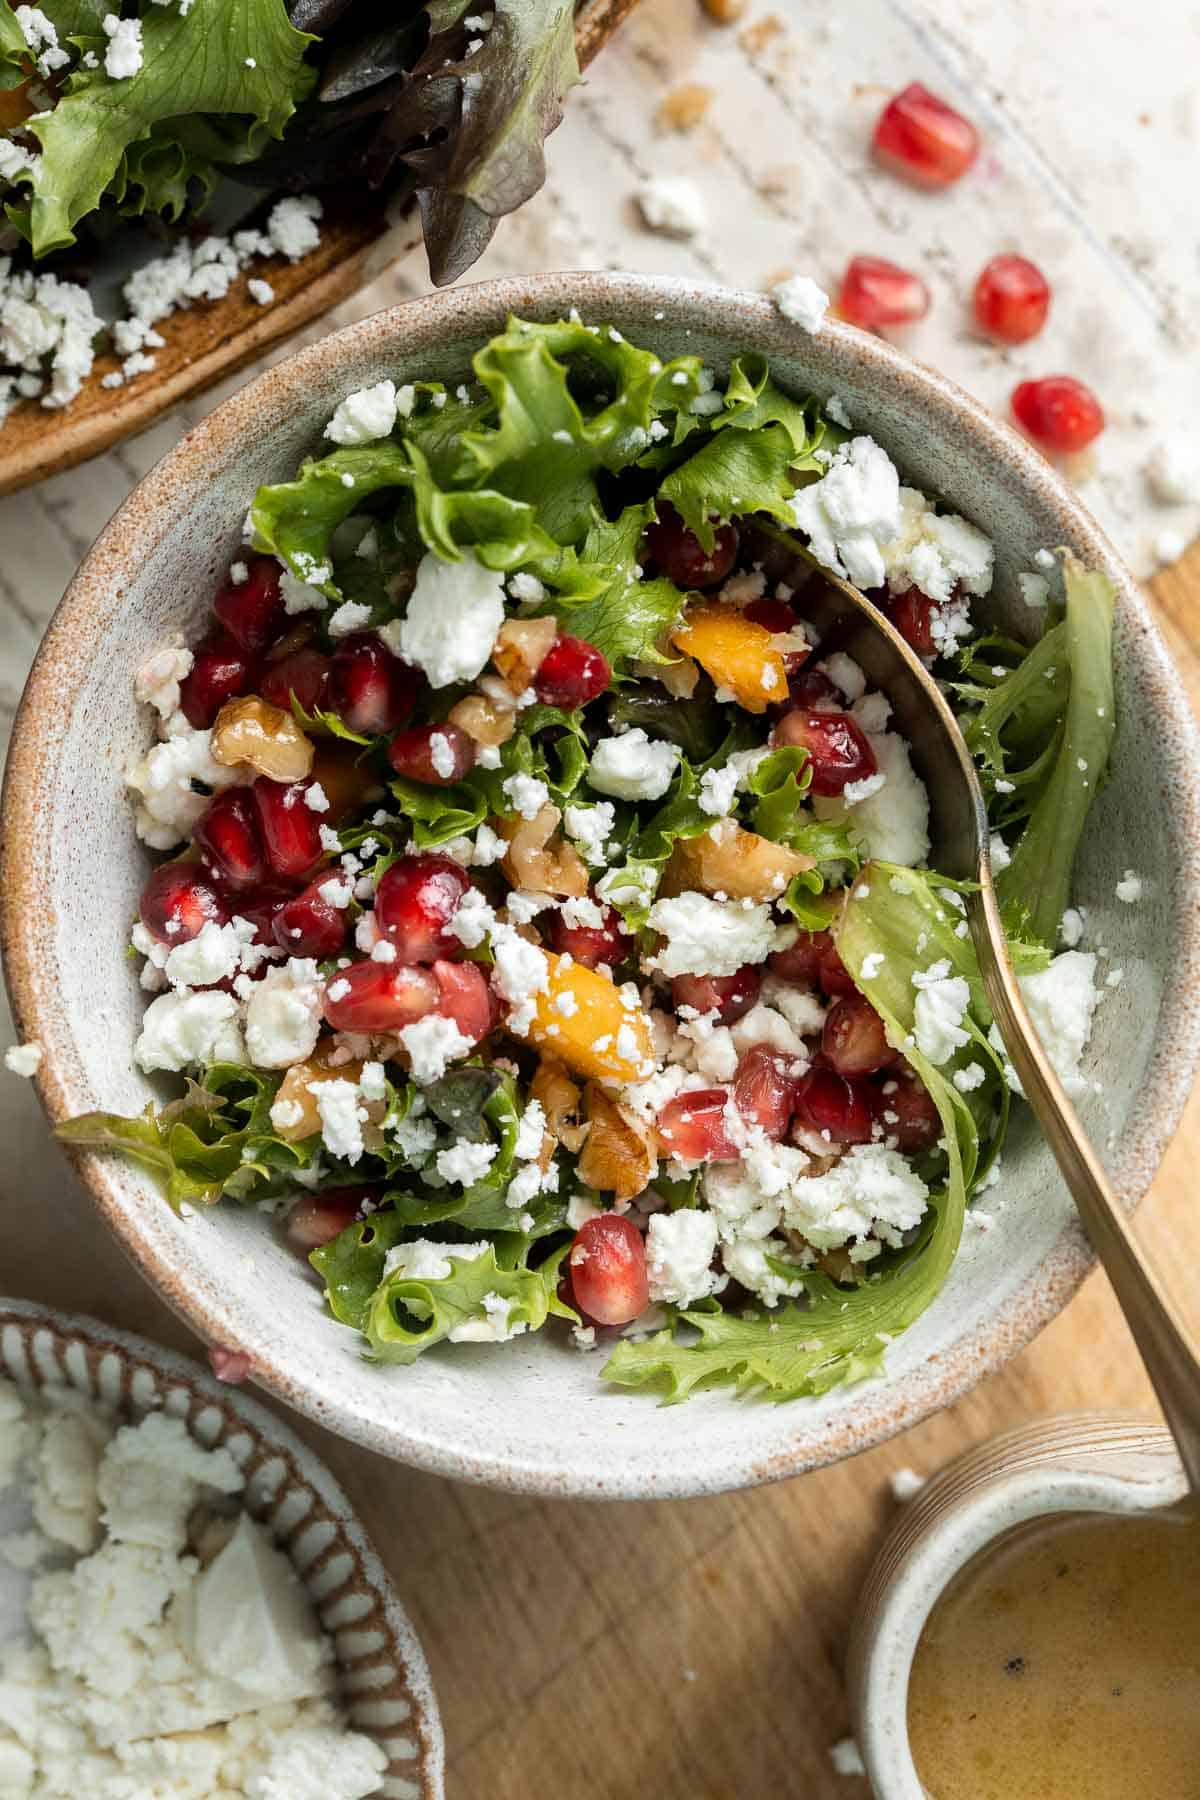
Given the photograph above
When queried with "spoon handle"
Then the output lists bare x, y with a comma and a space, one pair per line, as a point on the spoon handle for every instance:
1165, 1344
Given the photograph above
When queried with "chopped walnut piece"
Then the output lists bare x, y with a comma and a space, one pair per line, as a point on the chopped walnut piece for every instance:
619, 1156
539, 860
483, 720
521, 648
560, 1099
266, 738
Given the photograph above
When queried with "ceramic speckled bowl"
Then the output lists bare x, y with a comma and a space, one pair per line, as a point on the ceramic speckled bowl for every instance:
384, 1681
534, 1416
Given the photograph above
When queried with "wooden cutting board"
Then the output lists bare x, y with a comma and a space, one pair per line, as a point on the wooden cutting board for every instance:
687, 1650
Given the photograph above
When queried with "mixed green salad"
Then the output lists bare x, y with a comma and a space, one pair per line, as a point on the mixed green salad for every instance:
546, 926
109, 111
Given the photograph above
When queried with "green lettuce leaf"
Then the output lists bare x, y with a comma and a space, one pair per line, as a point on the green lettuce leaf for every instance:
697, 725
730, 475
632, 885
617, 611
237, 57
406, 1316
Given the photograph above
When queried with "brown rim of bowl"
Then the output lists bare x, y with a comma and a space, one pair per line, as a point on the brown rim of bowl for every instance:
59, 674
240, 1409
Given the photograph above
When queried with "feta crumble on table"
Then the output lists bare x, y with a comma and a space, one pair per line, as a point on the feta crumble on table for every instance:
906, 1484
672, 205
801, 301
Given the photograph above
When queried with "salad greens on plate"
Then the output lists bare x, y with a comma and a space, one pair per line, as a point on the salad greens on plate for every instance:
547, 928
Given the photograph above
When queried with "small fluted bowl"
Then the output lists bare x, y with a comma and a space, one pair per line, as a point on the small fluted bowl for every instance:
534, 1416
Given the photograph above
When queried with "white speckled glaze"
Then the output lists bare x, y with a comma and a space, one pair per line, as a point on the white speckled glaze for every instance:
382, 1673
534, 1416
1112, 1463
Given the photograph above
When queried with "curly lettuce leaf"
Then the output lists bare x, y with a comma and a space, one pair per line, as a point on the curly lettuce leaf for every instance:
607, 602
407, 1316
732, 474
239, 57
14, 52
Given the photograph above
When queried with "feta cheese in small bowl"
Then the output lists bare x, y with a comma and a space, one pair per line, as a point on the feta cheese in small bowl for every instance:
188, 1606
613, 929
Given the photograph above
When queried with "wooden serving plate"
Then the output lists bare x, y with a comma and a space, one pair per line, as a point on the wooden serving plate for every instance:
213, 339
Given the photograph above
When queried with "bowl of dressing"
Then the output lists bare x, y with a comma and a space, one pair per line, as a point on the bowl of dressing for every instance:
1029, 1631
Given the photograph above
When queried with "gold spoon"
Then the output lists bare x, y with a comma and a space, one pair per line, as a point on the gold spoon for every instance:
961, 849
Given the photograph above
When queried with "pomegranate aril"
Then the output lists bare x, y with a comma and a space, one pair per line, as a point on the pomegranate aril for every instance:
465, 997
308, 925
260, 907
229, 838
374, 996
372, 691
920, 137
590, 945
681, 556
764, 1089
875, 294
1058, 412
693, 1126
607, 1268
1011, 299
222, 671
809, 688
291, 830
772, 615
833, 977
906, 1112
838, 1107
251, 611
853, 1040
232, 1366
571, 673
435, 754
838, 752
912, 615
414, 903
178, 901
306, 674
317, 1219
729, 996
801, 961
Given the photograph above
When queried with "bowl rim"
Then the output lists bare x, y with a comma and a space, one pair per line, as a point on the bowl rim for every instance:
178, 1370
880, 1410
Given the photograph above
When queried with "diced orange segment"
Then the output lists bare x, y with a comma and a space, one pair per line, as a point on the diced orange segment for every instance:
598, 1036
738, 654
729, 860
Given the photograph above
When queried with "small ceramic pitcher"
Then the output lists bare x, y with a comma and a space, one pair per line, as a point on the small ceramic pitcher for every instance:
1080, 1462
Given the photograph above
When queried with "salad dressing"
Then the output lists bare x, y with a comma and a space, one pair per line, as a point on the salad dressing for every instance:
1064, 1662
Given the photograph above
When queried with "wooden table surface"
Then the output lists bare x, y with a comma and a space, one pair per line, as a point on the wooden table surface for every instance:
693, 1650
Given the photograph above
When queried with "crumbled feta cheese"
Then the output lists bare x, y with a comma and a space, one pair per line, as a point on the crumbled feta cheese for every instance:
342, 1117
123, 57
940, 553
261, 292
426, 1260
216, 953
672, 205
633, 766
1071, 928
802, 301
846, 1758
845, 674
350, 616
24, 1059
1061, 1001
42, 38
526, 589
168, 802
300, 596
999, 853
941, 1005
710, 937
590, 828
182, 1030
852, 512
968, 1079
1130, 887
364, 416
894, 820
801, 1008
718, 788
869, 1192
472, 920
1035, 591
454, 614
680, 1247
283, 1014
466, 1163
292, 225
765, 1024
526, 794
157, 681
432, 1044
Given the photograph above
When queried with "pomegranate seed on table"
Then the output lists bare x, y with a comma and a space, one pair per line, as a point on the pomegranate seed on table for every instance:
853, 1039
307, 925
693, 1126
374, 996
876, 293
772, 615
682, 557
291, 830
317, 1219
436, 754
1058, 412
809, 688
764, 1090
1011, 299
465, 997
251, 611
222, 671
920, 137
372, 691
306, 674
607, 942
729, 996
607, 1268
912, 615
415, 901
178, 901
838, 1105
260, 905
906, 1112
838, 752
229, 838
571, 673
